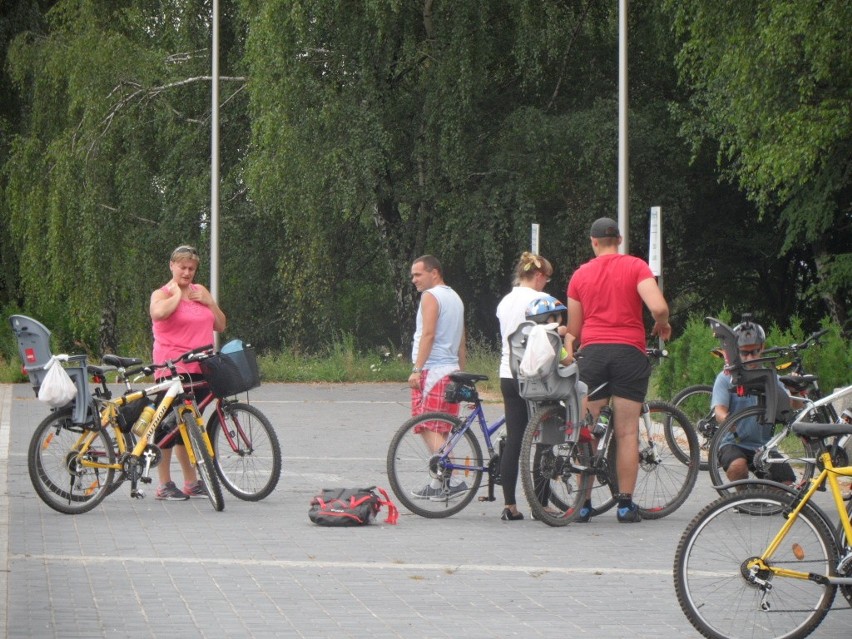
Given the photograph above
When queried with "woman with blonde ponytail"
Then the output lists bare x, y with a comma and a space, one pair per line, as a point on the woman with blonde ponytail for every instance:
532, 273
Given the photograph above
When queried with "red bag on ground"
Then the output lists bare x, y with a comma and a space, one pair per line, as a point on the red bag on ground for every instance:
351, 506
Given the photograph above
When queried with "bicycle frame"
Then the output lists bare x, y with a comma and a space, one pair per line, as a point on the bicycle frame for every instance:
173, 388
476, 415
810, 406
828, 475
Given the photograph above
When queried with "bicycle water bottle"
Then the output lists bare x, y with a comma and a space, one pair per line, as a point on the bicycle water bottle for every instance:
144, 420
602, 424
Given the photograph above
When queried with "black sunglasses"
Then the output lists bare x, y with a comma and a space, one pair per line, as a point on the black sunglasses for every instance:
749, 353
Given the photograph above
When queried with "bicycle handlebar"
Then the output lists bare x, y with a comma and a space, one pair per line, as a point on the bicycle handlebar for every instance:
195, 355
656, 353
793, 349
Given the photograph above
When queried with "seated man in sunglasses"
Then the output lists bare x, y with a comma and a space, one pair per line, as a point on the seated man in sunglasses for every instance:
736, 453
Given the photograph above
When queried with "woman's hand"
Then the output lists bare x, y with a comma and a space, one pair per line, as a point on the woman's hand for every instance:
200, 294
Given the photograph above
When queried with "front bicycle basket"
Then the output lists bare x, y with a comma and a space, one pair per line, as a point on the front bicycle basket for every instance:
231, 371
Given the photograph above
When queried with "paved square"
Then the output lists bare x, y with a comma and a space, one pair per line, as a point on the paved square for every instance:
143, 568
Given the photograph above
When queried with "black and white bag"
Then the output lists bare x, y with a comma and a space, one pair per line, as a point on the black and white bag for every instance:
351, 506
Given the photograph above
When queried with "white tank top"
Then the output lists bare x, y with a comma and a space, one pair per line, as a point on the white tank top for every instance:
448, 332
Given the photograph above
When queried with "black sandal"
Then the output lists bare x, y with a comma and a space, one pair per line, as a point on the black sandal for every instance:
509, 516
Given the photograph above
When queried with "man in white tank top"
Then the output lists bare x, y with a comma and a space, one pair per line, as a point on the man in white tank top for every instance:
438, 350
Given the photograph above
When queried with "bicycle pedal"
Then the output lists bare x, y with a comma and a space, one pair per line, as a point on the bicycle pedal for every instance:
137, 494
485, 498
145, 480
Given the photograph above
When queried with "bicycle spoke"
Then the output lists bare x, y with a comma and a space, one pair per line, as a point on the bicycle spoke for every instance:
247, 454
722, 597
62, 478
423, 479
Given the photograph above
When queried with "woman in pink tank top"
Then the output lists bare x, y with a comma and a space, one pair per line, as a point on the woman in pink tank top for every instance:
184, 316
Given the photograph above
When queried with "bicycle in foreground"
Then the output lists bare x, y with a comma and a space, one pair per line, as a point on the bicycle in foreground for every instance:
766, 561
457, 467
73, 467
564, 462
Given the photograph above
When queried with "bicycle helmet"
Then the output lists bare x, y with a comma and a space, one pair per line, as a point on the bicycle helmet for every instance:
749, 333
540, 309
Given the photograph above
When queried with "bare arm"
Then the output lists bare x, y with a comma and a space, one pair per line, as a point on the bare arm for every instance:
164, 302
200, 293
575, 318
656, 303
429, 309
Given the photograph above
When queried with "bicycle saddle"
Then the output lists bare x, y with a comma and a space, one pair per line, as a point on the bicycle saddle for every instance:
798, 383
467, 378
820, 431
120, 362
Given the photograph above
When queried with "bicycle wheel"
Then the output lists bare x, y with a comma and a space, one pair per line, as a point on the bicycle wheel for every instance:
57, 471
694, 401
663, 482
203, 462
419, 477
719, 593
554, 489
246, 452
796, 451
844, 546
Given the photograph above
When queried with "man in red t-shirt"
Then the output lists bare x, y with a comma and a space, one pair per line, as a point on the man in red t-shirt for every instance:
605, 297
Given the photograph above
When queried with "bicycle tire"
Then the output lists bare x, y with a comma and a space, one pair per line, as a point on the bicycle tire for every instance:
710, 571
554, 490
411, 464
694, 401
58, 478
203, 462
803, 470
251, 470
663, 482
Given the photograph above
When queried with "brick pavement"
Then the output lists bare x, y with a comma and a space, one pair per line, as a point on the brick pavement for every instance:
153, 569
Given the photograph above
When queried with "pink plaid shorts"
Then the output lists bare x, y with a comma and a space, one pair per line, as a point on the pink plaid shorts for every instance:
432, 402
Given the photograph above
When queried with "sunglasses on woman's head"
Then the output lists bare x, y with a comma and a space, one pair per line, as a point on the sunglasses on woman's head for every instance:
185, 249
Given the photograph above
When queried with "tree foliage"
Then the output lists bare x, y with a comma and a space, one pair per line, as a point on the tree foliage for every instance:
356, 136
769, 85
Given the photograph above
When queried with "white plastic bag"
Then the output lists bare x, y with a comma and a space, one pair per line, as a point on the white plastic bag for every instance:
539, 357
57, 389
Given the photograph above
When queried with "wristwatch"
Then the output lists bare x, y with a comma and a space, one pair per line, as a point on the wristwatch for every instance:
416, 370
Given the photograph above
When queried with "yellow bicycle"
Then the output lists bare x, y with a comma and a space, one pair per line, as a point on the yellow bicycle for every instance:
767, 561
75, 464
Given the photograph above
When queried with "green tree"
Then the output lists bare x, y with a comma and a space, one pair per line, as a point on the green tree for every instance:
110, 168
769, 84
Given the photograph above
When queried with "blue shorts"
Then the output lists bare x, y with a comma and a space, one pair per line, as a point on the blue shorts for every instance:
624, 369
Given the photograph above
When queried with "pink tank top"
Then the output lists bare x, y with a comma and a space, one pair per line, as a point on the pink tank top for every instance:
190, 326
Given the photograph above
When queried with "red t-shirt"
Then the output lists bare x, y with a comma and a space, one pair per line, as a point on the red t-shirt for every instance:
612, 308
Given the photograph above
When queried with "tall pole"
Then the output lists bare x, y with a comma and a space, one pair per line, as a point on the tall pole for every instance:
623, 155
214, 163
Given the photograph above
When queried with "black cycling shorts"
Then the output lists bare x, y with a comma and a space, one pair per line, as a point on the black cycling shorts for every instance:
625, 370
782, 473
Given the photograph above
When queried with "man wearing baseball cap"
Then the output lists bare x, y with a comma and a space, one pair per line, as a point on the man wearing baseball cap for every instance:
605, 298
